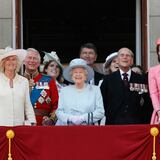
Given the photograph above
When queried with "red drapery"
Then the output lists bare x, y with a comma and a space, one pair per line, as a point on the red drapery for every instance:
125, 142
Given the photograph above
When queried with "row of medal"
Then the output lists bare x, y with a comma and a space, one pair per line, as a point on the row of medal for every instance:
39, 85
43, 98
138, 87
42, 85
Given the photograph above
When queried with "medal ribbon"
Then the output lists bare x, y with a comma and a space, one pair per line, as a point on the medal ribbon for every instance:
35, 93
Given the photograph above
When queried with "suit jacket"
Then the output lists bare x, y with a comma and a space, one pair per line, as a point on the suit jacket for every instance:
122, 106
147, 106
97, 77
154, 88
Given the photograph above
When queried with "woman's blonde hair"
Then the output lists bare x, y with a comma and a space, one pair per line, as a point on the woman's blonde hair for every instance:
2, 69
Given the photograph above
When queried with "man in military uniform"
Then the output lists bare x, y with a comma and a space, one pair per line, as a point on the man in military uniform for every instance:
43, 90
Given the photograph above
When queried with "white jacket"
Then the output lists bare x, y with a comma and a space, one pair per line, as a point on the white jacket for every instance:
15, 105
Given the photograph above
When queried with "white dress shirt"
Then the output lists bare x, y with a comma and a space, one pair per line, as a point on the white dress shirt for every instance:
129, 74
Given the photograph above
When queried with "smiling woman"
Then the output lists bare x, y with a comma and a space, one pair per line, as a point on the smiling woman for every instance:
53, 68
74, 107
79, 76
15, 105
10, 64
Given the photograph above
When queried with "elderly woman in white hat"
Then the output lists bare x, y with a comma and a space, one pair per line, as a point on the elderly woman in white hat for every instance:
80, 103
53, 68
15, 105
111, 63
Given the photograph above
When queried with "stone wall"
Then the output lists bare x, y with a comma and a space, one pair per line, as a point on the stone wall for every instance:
154, 29
5, 23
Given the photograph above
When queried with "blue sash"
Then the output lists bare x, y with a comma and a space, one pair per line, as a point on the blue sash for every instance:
35, 93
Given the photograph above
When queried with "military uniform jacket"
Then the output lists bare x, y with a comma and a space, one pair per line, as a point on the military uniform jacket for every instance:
122, 106
47, 102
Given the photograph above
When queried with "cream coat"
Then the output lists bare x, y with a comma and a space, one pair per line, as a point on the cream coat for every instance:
15, 103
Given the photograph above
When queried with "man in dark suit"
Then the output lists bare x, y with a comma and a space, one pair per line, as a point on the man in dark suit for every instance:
88, 52
122, 92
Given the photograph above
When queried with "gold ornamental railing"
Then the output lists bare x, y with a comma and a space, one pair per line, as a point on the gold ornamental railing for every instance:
154, 132
9, 134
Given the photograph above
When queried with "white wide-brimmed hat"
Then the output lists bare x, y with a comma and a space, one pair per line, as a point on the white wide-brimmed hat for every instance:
8, 51
75, 63
52, 56
110, 58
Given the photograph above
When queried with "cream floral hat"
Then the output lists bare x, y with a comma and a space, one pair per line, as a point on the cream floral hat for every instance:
52, 56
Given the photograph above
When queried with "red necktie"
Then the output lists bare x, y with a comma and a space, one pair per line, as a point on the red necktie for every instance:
125, 79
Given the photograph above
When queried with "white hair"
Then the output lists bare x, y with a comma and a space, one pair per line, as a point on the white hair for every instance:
36, 51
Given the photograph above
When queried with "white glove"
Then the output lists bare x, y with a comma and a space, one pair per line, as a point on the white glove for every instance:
77, 120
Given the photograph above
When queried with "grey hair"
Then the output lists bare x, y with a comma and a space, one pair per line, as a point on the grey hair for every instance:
36, 51
131, 53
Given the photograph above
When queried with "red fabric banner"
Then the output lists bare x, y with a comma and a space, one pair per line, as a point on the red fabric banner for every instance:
125, 142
